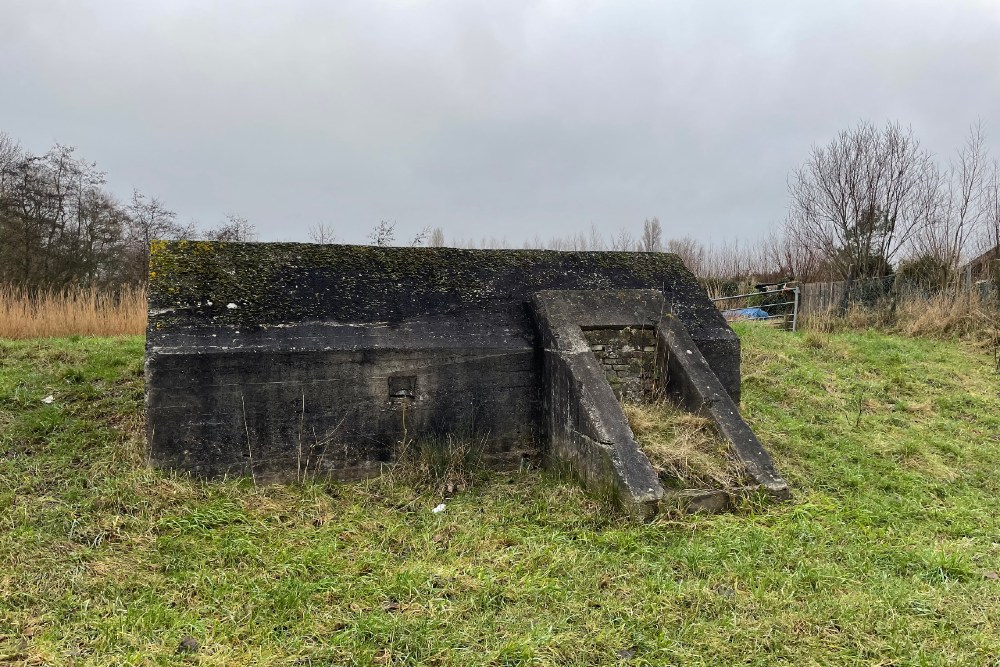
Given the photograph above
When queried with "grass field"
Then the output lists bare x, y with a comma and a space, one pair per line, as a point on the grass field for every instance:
887, 555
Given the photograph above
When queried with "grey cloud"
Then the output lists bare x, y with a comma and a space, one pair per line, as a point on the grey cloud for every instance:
502, 119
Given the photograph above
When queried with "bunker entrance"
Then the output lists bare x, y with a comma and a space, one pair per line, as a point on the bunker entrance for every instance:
635, 404
628, 357
685, 449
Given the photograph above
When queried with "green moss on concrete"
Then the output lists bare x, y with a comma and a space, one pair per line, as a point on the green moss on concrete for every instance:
194, 282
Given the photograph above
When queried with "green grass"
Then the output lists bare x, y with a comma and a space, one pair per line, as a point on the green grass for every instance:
884, 556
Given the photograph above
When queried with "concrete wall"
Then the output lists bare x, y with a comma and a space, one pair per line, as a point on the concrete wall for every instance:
282, 405
587, 431
335, 413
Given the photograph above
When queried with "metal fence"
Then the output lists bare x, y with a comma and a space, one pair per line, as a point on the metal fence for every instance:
776, 306
833, 297
782, 305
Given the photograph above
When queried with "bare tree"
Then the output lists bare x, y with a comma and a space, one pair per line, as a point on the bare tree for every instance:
652, 236
421, 238
437, 238
11, 155
147, 219
57, 224
783, 254
967, 201
990, 230
494, 242
596, 239
322, 233
734, 260
691, 252
534, 244
960, 207
235, 229
577, 242
384, 234
623, 241
863, 197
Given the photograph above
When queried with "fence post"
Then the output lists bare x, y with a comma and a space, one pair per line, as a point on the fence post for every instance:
847, 291
795, 309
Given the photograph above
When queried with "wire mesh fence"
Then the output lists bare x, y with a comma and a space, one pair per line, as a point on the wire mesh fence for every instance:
889, 291
789, 305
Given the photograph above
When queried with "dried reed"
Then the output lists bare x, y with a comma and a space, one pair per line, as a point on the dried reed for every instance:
73, 311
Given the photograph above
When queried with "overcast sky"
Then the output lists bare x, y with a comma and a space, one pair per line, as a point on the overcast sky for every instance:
502, 119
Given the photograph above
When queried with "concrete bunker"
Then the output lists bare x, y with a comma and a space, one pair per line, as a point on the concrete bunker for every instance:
267, 359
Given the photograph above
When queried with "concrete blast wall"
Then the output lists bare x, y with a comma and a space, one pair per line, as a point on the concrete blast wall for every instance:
275, 359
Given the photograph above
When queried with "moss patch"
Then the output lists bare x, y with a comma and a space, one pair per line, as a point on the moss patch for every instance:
249, 284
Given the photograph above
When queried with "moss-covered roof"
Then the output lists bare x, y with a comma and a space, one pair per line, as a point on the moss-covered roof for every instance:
247, 284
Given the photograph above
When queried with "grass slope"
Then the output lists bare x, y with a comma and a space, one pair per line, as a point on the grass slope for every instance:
886, 555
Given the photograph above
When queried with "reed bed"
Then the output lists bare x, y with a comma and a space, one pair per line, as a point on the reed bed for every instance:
72, 311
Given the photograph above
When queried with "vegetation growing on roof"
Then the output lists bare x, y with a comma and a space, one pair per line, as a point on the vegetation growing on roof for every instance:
195, 282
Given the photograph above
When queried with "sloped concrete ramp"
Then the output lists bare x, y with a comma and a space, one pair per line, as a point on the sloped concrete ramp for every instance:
588, 433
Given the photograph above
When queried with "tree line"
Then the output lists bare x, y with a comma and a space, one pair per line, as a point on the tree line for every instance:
873, 200
870, 202
59, 226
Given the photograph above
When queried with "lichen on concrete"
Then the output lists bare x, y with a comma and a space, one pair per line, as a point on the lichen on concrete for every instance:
192, 282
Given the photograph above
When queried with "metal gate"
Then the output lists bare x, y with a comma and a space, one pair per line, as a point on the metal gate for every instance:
774, 305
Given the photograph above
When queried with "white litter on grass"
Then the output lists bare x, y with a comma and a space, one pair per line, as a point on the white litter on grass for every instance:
48, 399
438, 509
231, 306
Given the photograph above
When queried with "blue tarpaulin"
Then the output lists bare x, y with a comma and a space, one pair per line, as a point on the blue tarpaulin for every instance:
745, 314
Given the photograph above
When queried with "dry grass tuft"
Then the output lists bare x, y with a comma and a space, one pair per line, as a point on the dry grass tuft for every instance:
74, 311
684, 448
442, 465
945, 316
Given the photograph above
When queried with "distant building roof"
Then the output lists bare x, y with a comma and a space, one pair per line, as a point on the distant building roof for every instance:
980, 263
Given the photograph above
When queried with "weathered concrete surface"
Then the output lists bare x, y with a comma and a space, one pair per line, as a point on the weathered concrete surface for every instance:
702, 501
200, 286
587, 431
289, 359
299, 401
690, 378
